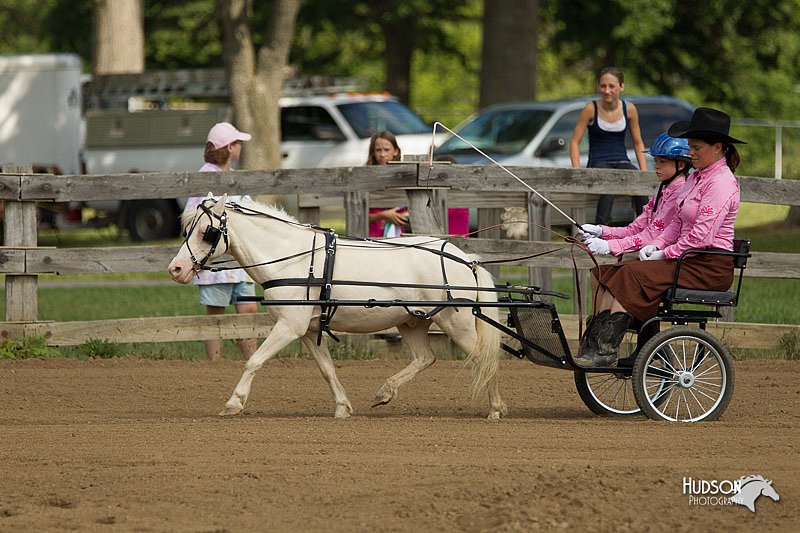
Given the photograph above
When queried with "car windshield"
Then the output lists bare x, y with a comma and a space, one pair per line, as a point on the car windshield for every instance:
367, 118
504, 131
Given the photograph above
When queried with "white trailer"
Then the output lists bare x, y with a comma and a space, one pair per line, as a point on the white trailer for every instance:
40, 111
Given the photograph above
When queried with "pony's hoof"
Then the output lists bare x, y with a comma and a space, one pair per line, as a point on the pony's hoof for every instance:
382, 397
494, 415
342, 411
231, 411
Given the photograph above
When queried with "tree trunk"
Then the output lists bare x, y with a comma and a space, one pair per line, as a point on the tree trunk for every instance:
118, 36
509, 52
256, 80
399, 38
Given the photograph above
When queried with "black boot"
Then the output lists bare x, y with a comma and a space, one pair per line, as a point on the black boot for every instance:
609, 333
589, 340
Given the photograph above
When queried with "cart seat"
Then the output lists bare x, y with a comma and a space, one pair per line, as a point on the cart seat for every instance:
677, 295
692, 296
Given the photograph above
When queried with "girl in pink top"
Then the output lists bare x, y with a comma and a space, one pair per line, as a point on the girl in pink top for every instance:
705, 213
672, 165
391, 222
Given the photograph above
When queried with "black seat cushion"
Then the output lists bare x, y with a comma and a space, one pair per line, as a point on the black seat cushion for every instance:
696, 296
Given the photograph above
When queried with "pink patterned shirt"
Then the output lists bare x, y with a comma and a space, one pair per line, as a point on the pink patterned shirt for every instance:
648, 225
706, 210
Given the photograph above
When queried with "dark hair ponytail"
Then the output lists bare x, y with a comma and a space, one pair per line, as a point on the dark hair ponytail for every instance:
732, 157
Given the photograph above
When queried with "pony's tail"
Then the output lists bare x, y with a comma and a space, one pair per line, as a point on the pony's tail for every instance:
485, 355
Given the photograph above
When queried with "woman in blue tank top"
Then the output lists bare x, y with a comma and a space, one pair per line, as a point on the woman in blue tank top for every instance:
608, 120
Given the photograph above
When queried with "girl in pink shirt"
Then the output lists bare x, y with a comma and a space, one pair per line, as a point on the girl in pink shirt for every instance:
672, 166
705, 212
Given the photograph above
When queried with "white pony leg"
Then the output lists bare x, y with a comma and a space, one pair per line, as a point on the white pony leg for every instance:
277, 340
482, 344
497, 407
323, 357
416, 337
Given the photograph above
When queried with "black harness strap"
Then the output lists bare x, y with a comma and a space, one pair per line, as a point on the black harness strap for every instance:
327, 312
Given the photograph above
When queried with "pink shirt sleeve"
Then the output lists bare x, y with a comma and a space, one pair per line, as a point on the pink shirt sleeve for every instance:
648, 225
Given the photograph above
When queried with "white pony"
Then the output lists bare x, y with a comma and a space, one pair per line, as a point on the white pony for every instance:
272, 245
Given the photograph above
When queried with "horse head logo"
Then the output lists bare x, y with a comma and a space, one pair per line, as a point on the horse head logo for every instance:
751, 487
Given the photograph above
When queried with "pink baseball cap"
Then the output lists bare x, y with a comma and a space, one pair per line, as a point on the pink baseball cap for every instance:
223, 134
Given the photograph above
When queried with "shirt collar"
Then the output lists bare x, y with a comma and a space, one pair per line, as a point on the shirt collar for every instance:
710, 169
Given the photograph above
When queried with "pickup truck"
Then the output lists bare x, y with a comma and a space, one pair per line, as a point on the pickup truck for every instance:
317, 131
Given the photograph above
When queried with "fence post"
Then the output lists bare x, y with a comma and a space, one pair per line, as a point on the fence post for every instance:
19, 230
356, 213
427, 210
489, 217
539, 230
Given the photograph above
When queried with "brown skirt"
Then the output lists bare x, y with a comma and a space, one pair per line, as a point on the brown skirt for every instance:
639, 285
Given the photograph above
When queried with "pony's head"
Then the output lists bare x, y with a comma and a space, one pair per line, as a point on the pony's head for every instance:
206, 237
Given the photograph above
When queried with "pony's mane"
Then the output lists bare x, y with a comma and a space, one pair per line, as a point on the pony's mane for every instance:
271, 209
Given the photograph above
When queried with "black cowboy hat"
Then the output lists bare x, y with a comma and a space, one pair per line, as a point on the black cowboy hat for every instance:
707, 124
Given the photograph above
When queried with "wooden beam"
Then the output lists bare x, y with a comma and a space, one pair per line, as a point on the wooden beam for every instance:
157, 258
231, 326
336, 181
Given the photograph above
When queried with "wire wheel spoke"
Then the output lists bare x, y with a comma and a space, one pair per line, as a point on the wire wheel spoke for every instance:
613, 391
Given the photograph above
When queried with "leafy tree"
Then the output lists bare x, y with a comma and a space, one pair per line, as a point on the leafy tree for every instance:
393, 31
704, 51
19, 22
183, 34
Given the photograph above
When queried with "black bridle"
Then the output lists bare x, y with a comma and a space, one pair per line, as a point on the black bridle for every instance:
211, 235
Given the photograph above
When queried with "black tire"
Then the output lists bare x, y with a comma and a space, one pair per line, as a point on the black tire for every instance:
151, 220
683, 374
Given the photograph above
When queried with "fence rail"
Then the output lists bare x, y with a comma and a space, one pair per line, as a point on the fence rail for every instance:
428, 191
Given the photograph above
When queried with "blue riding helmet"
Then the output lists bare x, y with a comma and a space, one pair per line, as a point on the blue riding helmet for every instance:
670, 147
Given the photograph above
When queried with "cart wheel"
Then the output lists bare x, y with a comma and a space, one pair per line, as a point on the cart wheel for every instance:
607, 394
683, 374
610, 394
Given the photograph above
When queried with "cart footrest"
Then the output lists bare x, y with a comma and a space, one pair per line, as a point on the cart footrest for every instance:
546, 344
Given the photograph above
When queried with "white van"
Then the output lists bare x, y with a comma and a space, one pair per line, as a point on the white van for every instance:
40, 111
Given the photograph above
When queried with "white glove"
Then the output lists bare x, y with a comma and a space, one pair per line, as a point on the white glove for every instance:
598, 246
650, 253
592, 230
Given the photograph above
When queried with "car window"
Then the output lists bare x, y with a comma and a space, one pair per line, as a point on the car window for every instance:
302, 123
556, 142
655, 119
367, 118
504, 131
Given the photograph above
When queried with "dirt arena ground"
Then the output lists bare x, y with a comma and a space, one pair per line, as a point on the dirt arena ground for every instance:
133, 445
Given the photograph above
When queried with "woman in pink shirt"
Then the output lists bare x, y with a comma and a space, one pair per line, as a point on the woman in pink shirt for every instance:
672, 166
706, 209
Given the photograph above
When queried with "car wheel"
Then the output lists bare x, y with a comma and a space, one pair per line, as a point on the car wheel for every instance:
151, 220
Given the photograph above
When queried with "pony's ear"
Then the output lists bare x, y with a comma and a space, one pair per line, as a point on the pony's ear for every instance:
219, 207
209, 195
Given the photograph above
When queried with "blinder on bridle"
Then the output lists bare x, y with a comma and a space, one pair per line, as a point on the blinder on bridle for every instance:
211, 235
